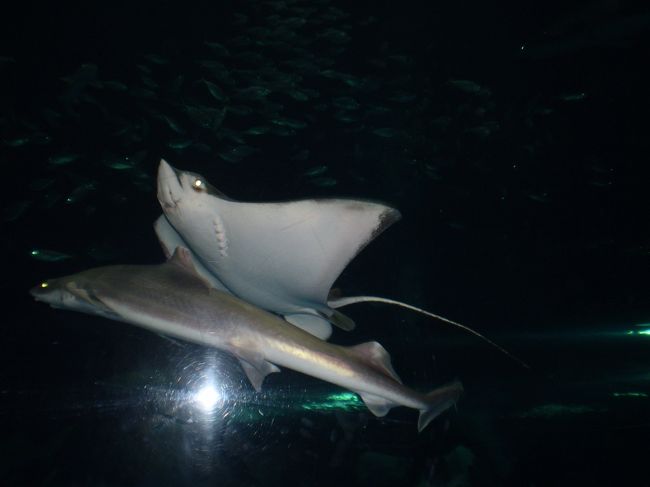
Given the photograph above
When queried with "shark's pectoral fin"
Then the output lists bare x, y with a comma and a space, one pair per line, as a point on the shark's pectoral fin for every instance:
256, 369
376, 356
377, 405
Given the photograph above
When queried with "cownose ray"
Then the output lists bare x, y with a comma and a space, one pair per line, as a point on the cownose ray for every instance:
174, 300
281, 256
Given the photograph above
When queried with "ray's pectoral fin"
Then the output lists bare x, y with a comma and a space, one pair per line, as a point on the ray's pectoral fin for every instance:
256, 368
320, 325
316, 325
342, 321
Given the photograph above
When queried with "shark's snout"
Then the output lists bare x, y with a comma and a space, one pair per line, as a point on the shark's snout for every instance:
170, 190
45, 292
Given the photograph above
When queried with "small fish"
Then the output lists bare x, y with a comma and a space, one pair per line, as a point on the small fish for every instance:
51, 199
40, 184
315, 171
573, 97
176, 83
16, 210
469, 87
289, 122
6, 60
231, 135
539, 197
216, 92
240, 110
143, 93
179, 144
207, 118
119, 164
144, 69
80, 193
402, 97
218, 49
345, 117
156, 58
215, 67
324, 182
303, 155
17, 141
346, 103
282, 131
386, 132
335, 36
348, 79
236, 154
63, 159
45, 255
149, 83
172, 124
254, 93
299, 95
258, 130
115, 86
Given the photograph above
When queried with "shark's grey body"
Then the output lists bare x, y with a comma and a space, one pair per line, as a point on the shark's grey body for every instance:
173, 299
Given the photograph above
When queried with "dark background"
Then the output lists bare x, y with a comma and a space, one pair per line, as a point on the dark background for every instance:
524, 201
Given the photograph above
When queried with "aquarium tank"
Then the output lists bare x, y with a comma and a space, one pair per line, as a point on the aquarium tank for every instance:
318, 242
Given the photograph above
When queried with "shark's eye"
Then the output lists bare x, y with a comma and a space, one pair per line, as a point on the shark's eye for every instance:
43, 285
198, 185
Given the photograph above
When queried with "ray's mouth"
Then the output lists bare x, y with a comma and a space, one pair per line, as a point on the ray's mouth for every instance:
170, 188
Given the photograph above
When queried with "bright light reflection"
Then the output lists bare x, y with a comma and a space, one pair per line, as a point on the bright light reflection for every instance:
208, 397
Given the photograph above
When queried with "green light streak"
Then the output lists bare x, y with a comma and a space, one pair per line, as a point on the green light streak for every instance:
341, 401
630, 394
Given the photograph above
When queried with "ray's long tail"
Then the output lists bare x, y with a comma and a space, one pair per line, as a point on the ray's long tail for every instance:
340, 302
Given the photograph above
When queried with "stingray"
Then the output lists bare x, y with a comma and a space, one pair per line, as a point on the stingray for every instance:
281, 256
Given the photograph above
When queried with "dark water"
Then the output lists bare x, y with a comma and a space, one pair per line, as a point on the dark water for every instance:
513, 139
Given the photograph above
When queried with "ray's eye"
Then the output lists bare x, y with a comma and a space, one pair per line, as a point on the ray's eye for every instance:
198, 185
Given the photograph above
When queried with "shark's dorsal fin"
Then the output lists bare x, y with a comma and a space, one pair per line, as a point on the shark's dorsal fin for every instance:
376, 356
183, 258
170, 240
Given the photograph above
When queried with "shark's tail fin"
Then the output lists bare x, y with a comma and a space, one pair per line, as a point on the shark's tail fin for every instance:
340, 302
439, 400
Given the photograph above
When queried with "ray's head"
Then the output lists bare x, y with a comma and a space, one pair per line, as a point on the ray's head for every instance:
185, 195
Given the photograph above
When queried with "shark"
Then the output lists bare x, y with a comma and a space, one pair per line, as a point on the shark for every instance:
175, 300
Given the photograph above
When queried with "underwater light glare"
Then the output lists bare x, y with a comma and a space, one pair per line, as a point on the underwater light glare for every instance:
208, 397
